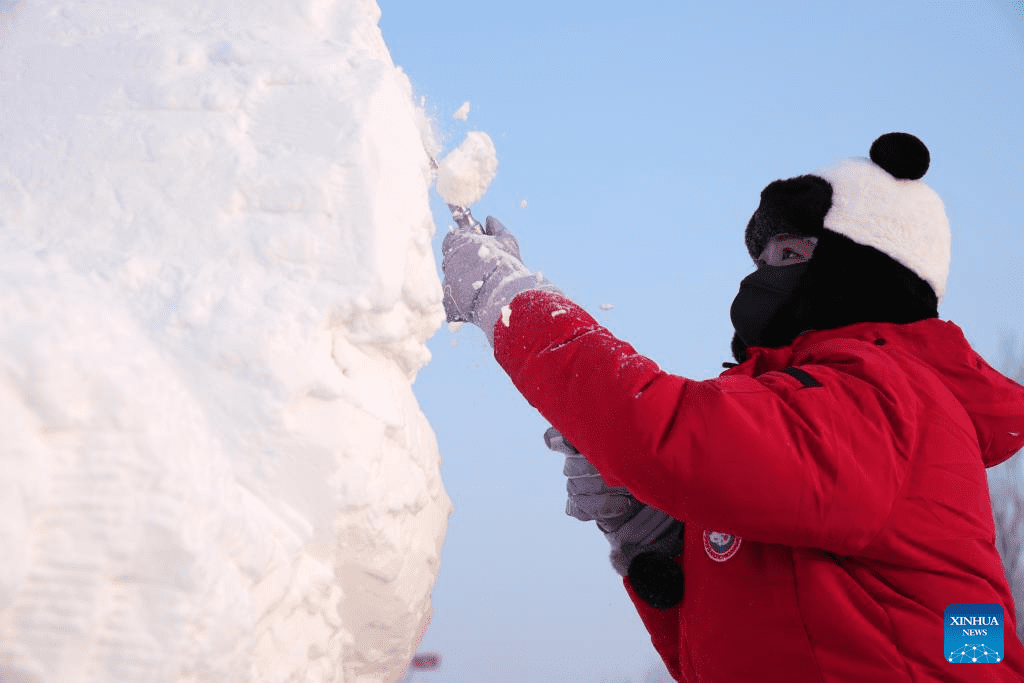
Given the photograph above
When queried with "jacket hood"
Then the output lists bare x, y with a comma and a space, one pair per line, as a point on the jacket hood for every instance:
994, 402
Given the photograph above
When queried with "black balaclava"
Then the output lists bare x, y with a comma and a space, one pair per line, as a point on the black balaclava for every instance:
762, 313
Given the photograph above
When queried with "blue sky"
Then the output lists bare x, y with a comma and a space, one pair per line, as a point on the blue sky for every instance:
641, 139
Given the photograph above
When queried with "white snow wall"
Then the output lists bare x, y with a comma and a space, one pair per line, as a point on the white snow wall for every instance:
216, 284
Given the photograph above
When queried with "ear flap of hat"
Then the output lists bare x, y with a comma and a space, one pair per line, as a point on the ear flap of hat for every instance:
795, 206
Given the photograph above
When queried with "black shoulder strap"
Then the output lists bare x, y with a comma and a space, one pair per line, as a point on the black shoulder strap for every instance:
802, 376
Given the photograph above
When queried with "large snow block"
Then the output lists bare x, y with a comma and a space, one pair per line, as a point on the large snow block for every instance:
216, 285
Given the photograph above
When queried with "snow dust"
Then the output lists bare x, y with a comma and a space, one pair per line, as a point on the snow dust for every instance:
462, 113
217, 285
464, 175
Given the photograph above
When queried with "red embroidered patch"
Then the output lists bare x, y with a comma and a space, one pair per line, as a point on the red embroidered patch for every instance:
721, 546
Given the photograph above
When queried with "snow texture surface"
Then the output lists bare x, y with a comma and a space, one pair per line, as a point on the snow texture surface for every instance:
216, 284
464, 175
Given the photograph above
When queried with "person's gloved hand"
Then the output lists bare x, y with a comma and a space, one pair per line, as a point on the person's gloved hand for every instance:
590, 498
482, 274
644, 540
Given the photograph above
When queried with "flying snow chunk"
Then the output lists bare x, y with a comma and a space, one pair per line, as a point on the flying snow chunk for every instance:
522, 203
462, 113
464, 175
606, 307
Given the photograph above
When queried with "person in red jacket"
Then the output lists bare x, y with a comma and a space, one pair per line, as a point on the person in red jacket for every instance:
819, 511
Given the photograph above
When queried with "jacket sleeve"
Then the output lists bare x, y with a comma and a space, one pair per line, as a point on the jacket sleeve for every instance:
765, 457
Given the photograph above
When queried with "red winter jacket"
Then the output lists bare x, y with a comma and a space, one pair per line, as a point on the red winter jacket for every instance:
834, 490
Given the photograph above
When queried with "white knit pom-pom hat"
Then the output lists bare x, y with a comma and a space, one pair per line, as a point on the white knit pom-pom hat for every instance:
880, 202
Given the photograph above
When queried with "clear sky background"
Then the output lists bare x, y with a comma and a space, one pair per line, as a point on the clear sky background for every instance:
641, 137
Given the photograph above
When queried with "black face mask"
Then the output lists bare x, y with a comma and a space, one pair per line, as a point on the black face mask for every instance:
762, 301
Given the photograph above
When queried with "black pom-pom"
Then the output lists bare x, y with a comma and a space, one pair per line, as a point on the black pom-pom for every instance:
657, 579
902, 155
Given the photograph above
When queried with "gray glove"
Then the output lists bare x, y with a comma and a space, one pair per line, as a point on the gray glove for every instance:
631, 527
483, 272
590, 498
